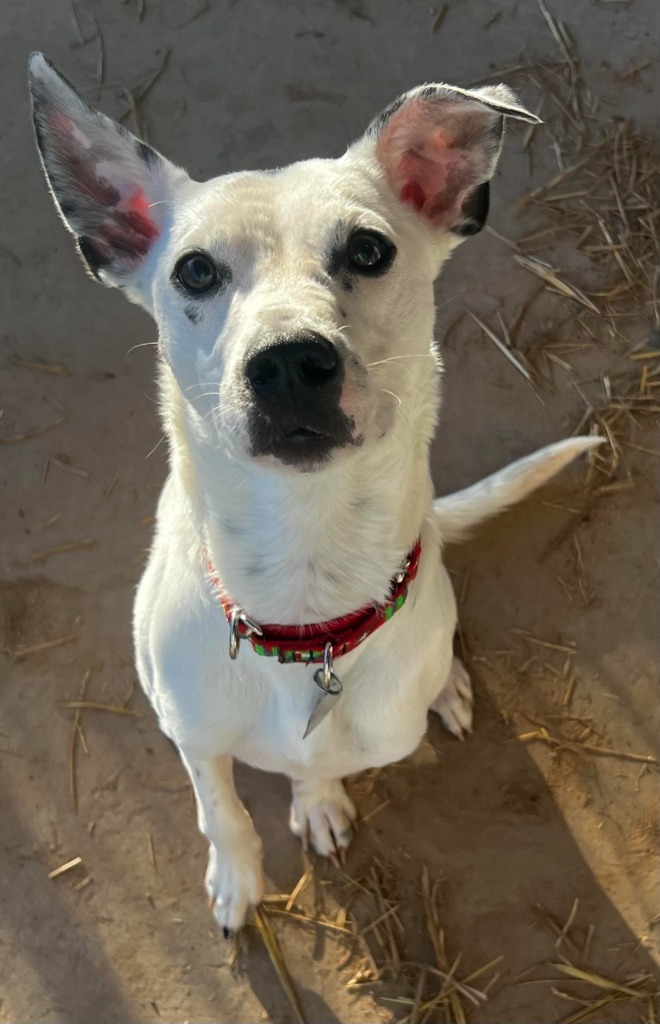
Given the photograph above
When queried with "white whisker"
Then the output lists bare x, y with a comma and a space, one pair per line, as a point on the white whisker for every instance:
204, 384
143, 344
385, 391
391, 359
441, 305
157, 445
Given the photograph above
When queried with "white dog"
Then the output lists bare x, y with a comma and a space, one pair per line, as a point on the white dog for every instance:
299, 391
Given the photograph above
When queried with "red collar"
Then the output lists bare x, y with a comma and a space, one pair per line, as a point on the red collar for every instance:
308, 643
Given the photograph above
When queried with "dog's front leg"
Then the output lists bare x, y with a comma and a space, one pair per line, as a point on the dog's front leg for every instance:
454, 702
234, 878
321, 810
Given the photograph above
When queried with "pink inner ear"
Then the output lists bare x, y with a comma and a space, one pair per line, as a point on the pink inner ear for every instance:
430, 167
121, 225
133, 212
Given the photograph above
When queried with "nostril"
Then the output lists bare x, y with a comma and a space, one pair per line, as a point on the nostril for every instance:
316, 367
262, 372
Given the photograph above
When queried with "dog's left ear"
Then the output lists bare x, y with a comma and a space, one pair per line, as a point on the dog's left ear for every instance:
439, 147
112, 190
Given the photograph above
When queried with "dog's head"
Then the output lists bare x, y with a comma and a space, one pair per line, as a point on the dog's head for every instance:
295, 307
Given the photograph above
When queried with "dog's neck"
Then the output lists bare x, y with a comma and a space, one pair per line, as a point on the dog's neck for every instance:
295, 547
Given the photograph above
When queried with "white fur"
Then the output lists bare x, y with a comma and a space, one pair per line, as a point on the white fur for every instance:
295, 547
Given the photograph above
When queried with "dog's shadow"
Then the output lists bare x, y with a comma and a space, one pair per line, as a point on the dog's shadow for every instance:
482, 818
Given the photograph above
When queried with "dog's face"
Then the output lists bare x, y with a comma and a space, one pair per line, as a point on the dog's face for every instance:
295, 308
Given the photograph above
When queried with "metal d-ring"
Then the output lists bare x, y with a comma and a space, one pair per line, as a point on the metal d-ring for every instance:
325, 677
403, 571
236, 619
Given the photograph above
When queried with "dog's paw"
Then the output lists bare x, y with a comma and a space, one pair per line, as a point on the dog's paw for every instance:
234, 882
454, 702
324, 813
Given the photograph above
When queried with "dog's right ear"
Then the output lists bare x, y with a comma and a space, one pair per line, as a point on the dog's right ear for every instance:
438, 146
113, 192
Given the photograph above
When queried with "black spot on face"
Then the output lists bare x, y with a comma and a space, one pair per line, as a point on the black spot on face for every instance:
361, 505
335, 259
232, 528
193, 313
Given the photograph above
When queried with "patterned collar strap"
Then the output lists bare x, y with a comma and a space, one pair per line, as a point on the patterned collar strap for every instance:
304, 644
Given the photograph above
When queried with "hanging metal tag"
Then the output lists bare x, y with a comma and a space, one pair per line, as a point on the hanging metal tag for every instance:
330, 685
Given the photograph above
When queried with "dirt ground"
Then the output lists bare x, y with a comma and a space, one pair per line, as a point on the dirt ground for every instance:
558, 600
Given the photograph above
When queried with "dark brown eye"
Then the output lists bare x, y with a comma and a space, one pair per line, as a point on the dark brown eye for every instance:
368, 252
196, 273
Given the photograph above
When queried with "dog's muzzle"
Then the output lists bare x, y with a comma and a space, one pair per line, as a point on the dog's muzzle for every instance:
294, 389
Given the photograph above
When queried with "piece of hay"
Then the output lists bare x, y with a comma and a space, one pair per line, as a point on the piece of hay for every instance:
64, 868
273, 948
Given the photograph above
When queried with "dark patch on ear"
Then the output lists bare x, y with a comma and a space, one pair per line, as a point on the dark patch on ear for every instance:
48, 62
428, 92
193, 313
146, 153
379, 122
113, 227
475, 210
91, 256
38, 130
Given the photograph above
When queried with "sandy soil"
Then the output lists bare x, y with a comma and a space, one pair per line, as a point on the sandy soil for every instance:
514, 831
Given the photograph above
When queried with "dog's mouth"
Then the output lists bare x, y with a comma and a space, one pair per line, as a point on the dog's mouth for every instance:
297, 443
301, 435
305, 446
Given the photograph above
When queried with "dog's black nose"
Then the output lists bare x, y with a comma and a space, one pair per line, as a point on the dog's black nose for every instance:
295, 385
293, 371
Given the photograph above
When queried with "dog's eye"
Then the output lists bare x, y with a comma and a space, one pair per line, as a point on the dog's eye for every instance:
369, 252
196, 273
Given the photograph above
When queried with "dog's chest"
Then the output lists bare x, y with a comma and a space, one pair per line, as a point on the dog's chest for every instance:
379, 717
358, 732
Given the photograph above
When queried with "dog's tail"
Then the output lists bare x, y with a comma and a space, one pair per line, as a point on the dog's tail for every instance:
459, 513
